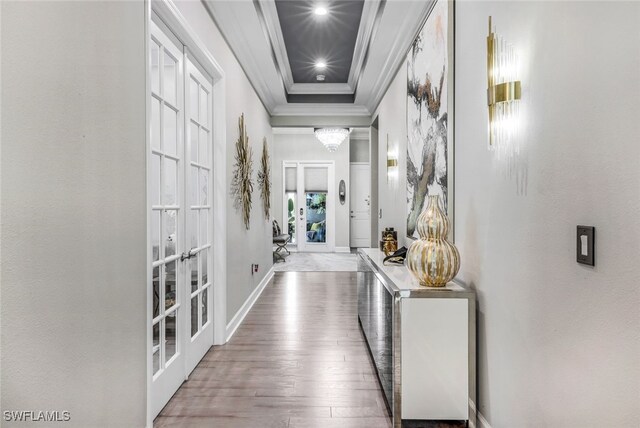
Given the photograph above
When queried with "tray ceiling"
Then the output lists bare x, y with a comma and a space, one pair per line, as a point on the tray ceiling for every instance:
279, 42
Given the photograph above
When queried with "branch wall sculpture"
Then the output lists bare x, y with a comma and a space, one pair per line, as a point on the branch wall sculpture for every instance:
264, 179
241, 185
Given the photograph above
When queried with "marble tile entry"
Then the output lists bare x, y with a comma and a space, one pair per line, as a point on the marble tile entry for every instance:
317, 262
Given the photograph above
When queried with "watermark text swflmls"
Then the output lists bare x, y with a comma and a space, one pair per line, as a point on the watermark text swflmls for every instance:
37, 415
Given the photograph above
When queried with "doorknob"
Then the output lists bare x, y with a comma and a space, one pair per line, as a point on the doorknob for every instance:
192, 252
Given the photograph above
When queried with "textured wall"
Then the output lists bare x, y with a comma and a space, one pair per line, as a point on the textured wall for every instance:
558, 341
244, 247
73, 211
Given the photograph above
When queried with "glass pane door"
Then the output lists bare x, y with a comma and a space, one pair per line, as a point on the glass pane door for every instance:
316, 225
166, 235
199, 219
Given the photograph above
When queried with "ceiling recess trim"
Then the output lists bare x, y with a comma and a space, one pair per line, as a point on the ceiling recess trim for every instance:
269, 14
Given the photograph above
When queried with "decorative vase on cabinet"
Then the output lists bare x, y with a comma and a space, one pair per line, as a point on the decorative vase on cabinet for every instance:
432, 259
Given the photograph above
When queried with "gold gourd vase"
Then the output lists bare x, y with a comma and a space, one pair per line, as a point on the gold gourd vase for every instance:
432, 259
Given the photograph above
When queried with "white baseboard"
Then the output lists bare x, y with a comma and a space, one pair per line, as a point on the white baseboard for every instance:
237, 319
342, 250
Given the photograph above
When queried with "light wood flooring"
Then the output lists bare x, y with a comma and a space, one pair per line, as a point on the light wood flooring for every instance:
298, 360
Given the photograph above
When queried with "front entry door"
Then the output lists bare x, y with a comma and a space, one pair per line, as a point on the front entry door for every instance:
315, 207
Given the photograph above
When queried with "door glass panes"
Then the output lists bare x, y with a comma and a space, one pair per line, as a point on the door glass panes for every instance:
156, 291
204, 187
193, 186
205, 315
204, 111
155, 123
170, 131
193, 98
155, 180
203, 148
155, 67
204, 278
156, 348
170, 182
170, 233
316, 220
170, 298
193, 228
155, 235
193, 135
291, 216
170, 77
194, 273
170, 335
194, 315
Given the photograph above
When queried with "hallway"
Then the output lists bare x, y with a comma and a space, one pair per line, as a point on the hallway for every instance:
297, 360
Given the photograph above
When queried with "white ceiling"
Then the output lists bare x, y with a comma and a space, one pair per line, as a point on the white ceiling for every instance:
253, 32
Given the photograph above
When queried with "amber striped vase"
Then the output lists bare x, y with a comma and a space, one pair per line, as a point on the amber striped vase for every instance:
432, 259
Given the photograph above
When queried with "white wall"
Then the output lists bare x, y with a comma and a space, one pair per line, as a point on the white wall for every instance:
73, 211
359, 150
558, 341
305, 147
244, 247
392, 190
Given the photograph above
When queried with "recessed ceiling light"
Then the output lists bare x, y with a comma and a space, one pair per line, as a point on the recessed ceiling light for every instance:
321, 65
320, 11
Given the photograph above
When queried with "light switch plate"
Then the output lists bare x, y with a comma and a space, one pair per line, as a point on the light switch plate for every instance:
585, 245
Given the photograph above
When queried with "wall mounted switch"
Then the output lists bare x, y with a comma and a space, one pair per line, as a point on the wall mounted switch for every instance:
585, 245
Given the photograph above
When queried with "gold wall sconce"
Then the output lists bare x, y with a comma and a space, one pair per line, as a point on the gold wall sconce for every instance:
392, 162
504, 91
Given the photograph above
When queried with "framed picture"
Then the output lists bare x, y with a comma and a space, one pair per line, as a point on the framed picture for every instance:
430, 149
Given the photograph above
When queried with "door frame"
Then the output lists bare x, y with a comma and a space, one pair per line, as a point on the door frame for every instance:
331, 199
168, 13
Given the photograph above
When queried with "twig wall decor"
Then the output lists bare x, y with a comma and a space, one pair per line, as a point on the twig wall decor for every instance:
241, 185
264, 179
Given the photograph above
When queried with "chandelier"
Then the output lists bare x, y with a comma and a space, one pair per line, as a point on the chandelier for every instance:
331, 137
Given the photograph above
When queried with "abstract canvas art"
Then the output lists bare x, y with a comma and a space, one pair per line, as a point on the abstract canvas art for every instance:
429, 115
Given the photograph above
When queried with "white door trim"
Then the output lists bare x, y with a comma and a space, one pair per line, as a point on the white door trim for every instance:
167, 11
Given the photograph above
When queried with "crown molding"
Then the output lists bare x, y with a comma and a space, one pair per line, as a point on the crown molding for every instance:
363, 40
271, 21
399, 24
320, 88
314, 109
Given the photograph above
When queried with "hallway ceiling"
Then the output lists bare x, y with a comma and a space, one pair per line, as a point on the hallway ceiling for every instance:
280, 43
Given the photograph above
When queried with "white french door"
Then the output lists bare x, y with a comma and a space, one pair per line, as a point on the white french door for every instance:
199, 217
179, 183
310, 205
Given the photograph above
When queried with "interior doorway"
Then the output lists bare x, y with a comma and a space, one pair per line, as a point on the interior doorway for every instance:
309, 205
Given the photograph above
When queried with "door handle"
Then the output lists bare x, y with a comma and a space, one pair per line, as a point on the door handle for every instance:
192, 252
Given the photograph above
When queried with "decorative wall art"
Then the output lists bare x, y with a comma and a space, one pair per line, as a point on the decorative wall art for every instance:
241, 185
264, 179
430, 114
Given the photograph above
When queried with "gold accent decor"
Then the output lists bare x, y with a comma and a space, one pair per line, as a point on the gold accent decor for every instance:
242, 184
264, 179
432, 259
504, 91
392, 162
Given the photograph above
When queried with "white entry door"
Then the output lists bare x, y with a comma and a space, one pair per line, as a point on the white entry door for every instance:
179, 182
360, 205
310, 205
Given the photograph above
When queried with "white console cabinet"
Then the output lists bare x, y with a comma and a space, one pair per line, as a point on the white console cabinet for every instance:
422, 342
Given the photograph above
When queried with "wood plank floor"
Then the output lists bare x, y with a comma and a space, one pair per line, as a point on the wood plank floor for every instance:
298, 360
